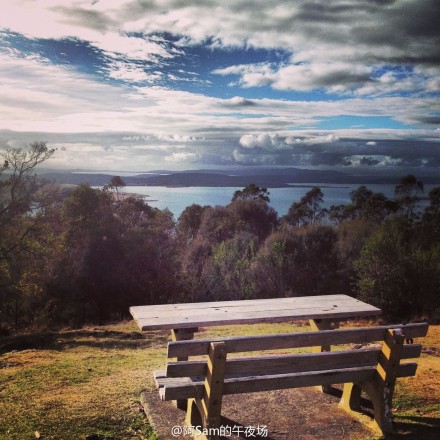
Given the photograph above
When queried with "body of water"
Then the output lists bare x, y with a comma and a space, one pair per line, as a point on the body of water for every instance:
177, 199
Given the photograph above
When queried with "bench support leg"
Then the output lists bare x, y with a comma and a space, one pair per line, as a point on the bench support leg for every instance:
206, 412
323, 324
351, 397
380, 390
182, 334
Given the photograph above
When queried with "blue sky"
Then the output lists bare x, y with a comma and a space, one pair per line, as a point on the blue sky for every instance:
139, 85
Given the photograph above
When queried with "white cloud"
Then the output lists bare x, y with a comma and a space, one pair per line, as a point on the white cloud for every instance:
183, 156
332, 76
133, 48
264, 140
176, 138
312, 140
132, 73
141, 125
335, 45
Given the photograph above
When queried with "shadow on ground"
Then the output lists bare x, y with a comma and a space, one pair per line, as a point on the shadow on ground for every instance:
406, 427
416, 428
93, 338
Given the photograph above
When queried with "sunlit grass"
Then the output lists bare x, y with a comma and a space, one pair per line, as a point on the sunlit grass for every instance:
88, 382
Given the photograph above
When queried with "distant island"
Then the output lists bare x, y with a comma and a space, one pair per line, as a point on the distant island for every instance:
270, 178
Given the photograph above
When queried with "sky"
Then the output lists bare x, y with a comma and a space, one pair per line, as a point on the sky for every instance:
138, 85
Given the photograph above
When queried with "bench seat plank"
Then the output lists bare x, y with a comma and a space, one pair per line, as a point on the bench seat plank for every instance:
185, 388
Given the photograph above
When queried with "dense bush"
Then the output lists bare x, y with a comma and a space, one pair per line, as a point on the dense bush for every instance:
90, 255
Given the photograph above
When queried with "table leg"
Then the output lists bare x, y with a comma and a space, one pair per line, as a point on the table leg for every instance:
323, 324
183, 334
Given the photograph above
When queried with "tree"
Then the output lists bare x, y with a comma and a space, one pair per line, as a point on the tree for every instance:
429, 231
297, 262
360, 196
115, 255
351, 239
21, 192
432, 212
365, 204
338, 214
252, 192
24, 202
196, 266
397, 274
407, 194
229, 277
308, 210
257, 217
434, 200
189, 221
116, 184
219, 224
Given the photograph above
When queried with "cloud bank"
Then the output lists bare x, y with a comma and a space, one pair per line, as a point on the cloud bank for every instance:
130, 84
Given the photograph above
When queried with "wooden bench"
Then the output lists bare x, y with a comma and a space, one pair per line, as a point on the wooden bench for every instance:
372, 369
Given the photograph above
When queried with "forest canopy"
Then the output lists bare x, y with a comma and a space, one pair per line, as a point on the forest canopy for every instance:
86, 255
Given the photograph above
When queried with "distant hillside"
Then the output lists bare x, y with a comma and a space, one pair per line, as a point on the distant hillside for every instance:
271, 178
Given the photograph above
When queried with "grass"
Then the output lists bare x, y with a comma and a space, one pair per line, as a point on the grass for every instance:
85, 384
81, 384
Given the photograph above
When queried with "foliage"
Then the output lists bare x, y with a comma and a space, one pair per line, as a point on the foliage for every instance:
115, 186
253, 193
431, 215
116, 254
397, 274
351, 239
219, 224
308, 210
89, 256
189, 221
297, 262
258, 217
23, 198
25, 211
407, 193
365, 204
230, 278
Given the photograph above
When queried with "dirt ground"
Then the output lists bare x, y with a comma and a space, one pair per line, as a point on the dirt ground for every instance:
295, 414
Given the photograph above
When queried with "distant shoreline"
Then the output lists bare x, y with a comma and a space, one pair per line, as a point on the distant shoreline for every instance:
284, 178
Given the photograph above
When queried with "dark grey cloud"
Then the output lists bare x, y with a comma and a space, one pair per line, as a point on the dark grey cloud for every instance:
410, 27
332, 151
238, 102
85, 17
329, 159
368, 161
432, 120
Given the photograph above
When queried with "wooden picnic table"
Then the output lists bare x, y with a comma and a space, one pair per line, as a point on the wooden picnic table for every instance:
323, 313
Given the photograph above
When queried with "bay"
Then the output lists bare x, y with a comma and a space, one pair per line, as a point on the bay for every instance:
176, 199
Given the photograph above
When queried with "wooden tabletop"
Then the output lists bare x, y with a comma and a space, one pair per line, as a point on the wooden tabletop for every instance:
187, 315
